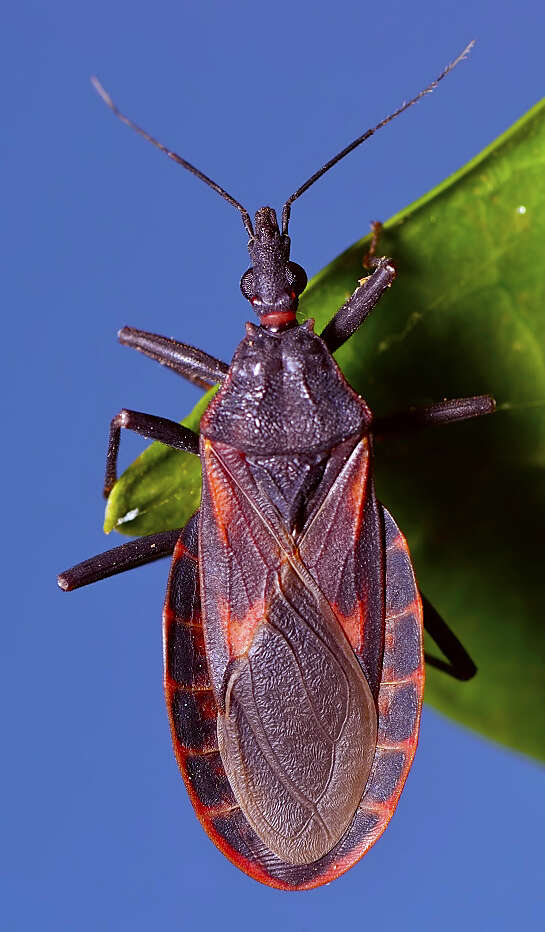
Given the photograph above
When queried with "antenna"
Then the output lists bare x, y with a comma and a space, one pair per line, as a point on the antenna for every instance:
370, 132
172, 155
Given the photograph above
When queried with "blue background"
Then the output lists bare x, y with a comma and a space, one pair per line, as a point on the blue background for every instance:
101, 230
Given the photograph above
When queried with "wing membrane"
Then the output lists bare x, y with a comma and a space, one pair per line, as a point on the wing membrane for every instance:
298, 735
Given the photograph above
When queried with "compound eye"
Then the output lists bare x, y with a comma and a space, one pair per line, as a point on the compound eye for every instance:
247, 284
298, 277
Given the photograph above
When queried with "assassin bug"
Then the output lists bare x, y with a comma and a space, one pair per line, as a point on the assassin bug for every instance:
294, 667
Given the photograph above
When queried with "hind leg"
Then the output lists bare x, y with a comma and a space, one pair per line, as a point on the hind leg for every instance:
126, 557
458, 663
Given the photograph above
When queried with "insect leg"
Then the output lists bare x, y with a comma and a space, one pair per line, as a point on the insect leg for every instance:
458, 663
151, 426
194, 364
369, 259
126, 557
444, 412
353, 313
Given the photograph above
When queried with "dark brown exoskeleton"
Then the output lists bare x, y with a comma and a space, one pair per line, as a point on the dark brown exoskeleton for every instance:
294, 667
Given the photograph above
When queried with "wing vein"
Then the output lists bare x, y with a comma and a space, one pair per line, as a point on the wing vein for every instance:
278, 770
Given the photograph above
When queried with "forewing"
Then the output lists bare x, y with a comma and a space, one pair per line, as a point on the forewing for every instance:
239, 559
343, 547
190, 701
297, 720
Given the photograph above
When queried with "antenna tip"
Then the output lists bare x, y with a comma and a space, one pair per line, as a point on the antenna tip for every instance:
465, 53
101, 92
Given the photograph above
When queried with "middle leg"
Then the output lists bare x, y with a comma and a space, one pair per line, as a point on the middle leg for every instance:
444, 412
154, 428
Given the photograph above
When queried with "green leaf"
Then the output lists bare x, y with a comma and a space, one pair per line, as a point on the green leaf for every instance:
465, 316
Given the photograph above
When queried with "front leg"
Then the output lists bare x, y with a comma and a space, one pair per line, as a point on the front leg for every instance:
353, 313
192, 363
148, 425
